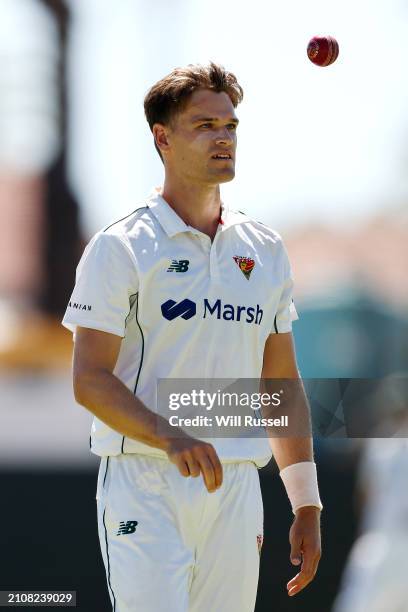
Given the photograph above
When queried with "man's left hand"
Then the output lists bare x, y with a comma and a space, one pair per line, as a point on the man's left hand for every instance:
304, 538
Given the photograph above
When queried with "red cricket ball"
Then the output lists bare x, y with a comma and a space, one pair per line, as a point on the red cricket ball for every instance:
323, 50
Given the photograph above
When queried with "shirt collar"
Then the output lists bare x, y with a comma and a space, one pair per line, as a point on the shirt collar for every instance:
173, 224
166, 216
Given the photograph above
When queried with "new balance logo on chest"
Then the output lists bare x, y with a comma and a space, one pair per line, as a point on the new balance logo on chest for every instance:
178, 265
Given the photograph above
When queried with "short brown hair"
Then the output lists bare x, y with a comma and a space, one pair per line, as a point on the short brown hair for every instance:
170, 95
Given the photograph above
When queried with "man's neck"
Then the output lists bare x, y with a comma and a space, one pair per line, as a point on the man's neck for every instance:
199, 206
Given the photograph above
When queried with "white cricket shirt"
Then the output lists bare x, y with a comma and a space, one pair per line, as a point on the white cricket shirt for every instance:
185, 307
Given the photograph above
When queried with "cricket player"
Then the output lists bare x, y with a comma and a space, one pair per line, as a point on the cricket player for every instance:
184, 287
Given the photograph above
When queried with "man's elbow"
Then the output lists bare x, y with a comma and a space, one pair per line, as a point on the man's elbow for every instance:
83, 386
89, 384
79, 389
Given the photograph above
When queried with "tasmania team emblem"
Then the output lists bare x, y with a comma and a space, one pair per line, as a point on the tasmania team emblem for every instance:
245, 264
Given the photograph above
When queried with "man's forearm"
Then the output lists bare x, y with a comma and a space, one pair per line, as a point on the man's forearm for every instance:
293, 449
294, 443
113, 403
287, 451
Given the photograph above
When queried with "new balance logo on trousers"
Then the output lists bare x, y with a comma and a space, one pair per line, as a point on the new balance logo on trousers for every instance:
126, 528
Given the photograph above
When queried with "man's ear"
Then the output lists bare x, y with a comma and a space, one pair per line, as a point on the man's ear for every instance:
160, 133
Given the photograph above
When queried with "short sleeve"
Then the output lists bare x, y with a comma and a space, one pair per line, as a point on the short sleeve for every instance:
286, 311
106, 279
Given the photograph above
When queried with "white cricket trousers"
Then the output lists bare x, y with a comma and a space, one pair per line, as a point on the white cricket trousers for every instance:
170, 546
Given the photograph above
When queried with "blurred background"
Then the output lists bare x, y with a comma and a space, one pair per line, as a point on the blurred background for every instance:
322, 158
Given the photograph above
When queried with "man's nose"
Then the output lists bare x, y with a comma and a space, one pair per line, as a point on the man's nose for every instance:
224, 136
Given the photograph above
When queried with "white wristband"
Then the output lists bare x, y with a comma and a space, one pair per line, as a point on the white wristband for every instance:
300, 480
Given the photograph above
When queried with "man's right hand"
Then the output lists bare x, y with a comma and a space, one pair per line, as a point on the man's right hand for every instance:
193, 457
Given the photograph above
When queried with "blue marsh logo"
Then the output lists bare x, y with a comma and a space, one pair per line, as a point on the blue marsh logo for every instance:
228, 312
184, 309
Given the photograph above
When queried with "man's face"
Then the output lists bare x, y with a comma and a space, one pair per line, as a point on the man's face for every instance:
205, 128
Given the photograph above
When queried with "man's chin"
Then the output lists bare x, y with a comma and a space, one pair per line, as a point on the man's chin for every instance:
222, 177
